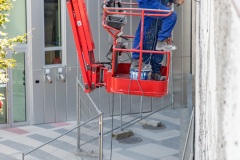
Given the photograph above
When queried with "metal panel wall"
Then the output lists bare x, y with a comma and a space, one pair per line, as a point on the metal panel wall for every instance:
37, 37
38, 98
71, 74
37, 60
49, 99
60, 96
181, 67
71, 53
182, 56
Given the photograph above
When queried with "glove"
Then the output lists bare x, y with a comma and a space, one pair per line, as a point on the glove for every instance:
169, 4
179, 2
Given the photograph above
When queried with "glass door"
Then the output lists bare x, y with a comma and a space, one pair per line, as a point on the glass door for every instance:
14, 108
19, 89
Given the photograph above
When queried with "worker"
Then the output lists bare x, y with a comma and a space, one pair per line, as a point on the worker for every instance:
156, 32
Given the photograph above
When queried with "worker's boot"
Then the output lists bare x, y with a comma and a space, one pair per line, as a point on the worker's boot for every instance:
164, 46
158, 77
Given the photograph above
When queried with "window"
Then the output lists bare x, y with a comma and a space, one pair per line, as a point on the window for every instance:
19, 89
52, 29
53, 57
17, 24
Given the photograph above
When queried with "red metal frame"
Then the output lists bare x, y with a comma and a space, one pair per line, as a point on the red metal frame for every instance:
116, 80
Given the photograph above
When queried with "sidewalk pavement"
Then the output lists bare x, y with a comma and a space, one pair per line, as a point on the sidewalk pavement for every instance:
153, 143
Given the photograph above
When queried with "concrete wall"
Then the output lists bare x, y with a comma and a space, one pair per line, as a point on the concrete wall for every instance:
217, 77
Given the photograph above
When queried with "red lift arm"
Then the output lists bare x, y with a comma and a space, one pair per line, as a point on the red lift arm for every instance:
115, 78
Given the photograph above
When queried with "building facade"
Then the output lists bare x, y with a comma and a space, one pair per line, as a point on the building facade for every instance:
42, 86
30, 97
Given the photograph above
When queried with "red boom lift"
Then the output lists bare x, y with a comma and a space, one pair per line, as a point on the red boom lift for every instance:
114, 75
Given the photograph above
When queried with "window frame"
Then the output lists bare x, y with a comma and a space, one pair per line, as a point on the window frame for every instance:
61, 48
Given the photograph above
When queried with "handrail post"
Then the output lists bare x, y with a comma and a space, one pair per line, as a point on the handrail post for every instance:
141, 107
191, 124
171, 81
22, 156
121, 111
100, 137
78, 114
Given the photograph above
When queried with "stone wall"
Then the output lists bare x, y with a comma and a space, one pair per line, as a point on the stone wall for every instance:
217, 85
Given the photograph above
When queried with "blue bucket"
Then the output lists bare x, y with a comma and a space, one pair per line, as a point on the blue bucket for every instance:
145, 74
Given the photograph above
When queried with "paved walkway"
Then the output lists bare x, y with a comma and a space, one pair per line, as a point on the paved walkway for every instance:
148, 143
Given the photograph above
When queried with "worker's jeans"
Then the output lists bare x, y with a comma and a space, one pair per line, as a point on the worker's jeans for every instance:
155, 28
168, 23
150, 44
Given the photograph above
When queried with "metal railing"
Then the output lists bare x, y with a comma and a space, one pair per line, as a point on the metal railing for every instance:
188, 151
85, 140
62, 147
120, 111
